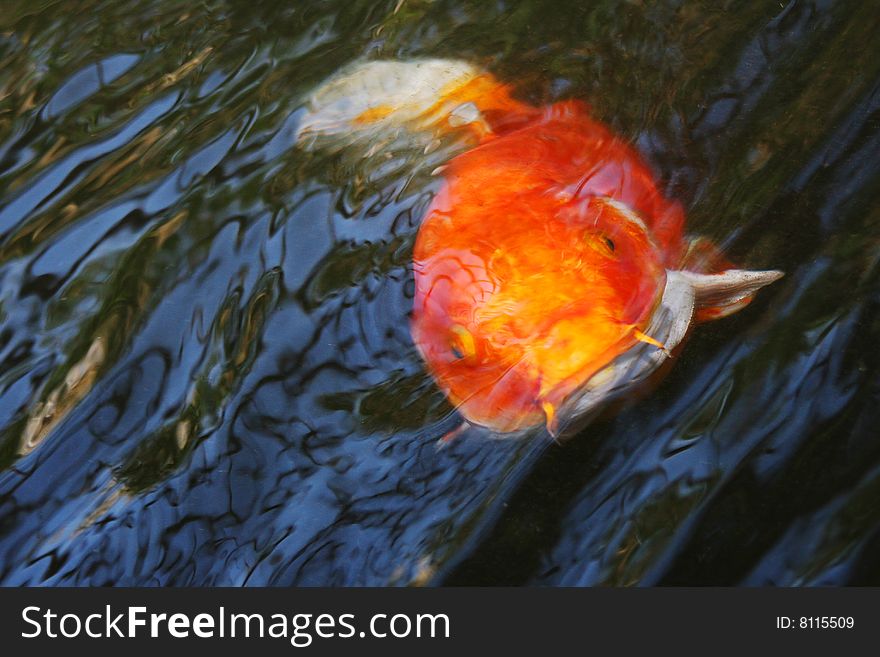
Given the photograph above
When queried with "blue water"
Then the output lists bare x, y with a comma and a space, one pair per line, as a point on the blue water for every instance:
206, 372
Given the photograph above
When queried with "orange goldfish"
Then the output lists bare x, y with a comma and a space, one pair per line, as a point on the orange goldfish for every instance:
551, 273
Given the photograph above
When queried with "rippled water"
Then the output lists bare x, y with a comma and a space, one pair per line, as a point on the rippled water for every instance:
206, 372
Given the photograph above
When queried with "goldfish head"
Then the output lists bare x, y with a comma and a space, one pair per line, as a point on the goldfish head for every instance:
520, 299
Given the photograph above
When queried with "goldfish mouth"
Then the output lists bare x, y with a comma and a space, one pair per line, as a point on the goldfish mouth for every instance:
684, 297
553, 395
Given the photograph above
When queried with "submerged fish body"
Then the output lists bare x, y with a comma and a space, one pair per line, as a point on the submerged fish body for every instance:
533, 268
551, 274
391, 104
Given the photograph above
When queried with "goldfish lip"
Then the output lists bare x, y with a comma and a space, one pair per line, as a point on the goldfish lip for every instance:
668, 324
684, 294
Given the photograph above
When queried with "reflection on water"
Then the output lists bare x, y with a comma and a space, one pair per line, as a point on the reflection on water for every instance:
207, 374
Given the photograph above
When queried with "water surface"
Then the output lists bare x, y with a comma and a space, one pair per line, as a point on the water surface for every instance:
206, 372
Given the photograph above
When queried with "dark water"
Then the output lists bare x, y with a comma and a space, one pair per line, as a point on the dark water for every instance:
206, 373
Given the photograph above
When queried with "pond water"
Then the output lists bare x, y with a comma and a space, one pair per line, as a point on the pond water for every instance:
206, 370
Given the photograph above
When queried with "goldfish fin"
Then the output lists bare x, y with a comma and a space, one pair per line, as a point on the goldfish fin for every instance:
722, 294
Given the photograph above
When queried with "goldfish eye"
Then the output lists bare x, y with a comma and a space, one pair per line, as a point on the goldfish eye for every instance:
461, 342
601, 243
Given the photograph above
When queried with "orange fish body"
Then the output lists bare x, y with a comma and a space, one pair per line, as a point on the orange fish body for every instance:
547, 253
530, 276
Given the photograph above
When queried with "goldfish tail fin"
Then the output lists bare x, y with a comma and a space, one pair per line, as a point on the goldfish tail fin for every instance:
410, 104
724, 293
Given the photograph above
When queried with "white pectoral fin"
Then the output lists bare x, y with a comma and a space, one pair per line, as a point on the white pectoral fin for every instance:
722, 294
